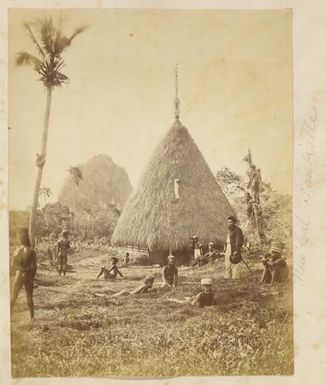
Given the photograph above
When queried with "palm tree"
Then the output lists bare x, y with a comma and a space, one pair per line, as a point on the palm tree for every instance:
46, 192
76, 177
50, 43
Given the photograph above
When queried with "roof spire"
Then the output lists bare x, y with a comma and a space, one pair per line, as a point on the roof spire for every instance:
177, 110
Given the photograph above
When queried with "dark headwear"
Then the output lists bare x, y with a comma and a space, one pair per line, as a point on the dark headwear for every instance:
23, 236
232, 218
65, 232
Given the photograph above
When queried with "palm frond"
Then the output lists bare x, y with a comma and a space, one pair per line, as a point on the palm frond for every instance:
77, 31
50, 42
33, 39
24, 58
47, 33
51, 76
62, 41
45, 191
76, 174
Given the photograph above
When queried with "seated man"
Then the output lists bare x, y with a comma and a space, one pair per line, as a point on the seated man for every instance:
110, 273
170, 273
275, 266
202, 260
204, 298
142, 289
210, 256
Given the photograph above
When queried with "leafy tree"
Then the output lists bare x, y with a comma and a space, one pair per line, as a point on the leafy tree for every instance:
45, 192
98, 222
50, 43
56, 217
20, 218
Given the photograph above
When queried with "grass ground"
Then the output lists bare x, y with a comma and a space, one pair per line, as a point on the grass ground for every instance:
249, 330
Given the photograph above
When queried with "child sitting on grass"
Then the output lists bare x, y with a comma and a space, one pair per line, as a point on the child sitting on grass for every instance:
110, 273
204, 298
169, 273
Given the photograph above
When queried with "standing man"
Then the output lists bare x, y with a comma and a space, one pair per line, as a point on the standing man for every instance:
63, 249
25, 264
170, 273
234, 244
197, 249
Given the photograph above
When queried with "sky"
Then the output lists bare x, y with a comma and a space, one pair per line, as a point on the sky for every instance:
235, 90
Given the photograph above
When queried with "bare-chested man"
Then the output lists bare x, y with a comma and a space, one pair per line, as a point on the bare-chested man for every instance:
110, 272
144, 288
63, 250
204, 298
170, 273
25, 264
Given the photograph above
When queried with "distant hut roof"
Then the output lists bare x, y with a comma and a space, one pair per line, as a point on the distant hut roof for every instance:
153, 217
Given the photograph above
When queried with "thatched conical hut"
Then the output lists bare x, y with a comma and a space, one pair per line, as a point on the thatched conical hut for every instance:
177, 197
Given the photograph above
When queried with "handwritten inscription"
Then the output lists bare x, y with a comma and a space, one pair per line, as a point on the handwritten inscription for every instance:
307, 140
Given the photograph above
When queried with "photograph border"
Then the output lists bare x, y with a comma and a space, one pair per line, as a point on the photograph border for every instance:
308, 222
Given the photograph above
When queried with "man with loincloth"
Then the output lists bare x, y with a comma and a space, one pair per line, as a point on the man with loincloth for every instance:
197, 249
63, 249
169, 273
110, 272
144, 288
26, 265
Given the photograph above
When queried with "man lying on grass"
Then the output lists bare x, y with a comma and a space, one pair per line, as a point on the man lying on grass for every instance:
110, 272
145, 287
169, 273
204, 298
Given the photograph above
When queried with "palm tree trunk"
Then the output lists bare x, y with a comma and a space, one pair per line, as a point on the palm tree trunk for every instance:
40, 167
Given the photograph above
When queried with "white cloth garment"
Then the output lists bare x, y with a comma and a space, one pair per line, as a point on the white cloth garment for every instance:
197, 253
231, 270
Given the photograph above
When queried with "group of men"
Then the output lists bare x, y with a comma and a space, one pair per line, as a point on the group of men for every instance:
169, 277
275, 268
232, 250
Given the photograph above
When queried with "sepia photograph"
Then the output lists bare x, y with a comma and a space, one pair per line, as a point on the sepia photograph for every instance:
150, 191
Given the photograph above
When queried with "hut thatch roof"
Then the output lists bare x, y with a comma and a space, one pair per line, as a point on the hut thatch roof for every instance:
154, 218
